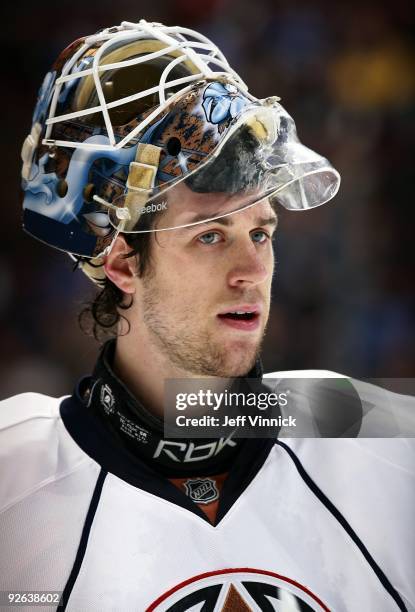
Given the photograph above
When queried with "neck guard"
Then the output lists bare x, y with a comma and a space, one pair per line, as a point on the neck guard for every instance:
142, 433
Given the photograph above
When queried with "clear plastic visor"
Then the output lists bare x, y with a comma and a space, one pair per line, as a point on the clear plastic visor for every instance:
259, 158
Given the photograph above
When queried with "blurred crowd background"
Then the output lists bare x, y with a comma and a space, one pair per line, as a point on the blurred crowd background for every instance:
344, 285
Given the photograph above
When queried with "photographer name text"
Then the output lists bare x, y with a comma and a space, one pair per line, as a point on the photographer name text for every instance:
239, 421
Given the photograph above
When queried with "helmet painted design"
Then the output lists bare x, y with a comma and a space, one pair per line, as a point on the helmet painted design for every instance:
127, 114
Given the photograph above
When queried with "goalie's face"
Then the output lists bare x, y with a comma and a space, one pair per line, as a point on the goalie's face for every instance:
204, 303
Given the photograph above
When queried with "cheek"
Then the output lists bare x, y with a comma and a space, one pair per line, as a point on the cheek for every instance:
183, 267
269, 258
178, 282
176, 274
270, 264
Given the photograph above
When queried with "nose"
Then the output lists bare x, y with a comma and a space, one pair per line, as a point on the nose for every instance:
248, 267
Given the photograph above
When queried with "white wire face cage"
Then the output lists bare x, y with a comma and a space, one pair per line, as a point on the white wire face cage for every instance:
177, 46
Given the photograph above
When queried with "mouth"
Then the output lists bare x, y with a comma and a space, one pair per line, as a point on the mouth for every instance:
245, 318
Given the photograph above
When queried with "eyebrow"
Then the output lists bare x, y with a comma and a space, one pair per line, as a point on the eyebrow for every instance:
271, 220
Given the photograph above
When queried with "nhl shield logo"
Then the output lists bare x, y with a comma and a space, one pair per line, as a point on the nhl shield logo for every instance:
201, 490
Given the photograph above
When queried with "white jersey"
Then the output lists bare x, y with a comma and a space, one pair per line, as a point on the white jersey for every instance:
319, 524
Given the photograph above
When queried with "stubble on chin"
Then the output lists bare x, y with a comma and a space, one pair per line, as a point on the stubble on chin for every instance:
195, 352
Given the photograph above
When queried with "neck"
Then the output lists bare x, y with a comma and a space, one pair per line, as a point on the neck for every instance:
144, 370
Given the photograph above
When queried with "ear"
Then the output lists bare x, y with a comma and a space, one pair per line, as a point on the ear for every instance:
120, 270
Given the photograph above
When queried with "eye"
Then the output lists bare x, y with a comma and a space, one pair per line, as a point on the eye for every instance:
210, 238
259, 236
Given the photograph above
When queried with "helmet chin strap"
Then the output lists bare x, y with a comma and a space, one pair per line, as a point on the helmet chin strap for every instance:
141, 179
140, 183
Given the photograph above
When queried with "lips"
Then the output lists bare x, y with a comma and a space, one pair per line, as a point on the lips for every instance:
244, 317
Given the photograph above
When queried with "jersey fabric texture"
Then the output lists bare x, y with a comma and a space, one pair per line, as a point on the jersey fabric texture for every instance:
305, 524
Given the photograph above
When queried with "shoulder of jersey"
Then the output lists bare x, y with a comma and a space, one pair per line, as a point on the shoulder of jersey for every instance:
369, 480
384, 401
19, 409
304, 374
35, 448
387, 423
386, 462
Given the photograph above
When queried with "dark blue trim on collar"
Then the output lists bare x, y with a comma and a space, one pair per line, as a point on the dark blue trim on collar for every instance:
91, 435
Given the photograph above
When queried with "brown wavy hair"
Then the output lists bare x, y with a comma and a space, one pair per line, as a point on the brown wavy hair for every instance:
100, 316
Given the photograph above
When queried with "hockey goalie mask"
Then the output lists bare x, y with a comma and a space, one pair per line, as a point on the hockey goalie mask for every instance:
144, 128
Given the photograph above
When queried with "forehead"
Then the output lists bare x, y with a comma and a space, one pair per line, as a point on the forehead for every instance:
188, 208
